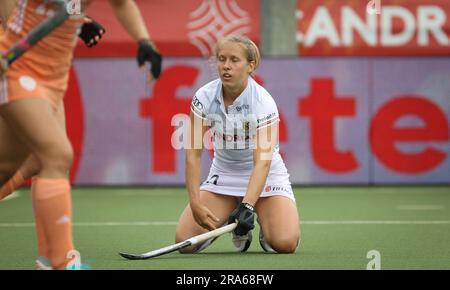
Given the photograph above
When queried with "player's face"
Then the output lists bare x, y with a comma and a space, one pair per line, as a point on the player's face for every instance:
232, 65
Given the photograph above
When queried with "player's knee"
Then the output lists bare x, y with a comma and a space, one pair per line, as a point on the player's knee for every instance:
60, 157
285, 244
179, 237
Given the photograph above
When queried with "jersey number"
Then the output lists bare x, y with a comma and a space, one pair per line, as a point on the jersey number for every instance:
213, 179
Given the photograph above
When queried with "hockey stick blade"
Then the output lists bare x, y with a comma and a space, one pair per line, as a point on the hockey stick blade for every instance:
156, 253
189, 242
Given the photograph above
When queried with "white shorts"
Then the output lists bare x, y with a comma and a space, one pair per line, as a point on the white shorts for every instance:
236, 183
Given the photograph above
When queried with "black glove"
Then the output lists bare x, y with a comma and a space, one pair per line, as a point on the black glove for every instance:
89, 31
146, 52
245, 214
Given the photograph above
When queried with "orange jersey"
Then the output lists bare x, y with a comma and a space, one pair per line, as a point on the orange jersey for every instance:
50, 58
47, 63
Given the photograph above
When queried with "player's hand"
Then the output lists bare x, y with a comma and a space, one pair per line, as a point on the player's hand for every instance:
148, 53
204, 217
91, 32
244, 214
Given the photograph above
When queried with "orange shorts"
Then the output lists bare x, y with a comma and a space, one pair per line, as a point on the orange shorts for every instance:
17, 86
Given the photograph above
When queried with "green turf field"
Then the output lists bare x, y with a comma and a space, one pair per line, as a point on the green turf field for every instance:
409, 226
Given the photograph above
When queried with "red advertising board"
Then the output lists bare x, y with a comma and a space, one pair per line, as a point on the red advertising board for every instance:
373, 27
343, 120
179, 28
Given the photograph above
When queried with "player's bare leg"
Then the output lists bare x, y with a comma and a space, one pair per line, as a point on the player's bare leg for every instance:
12, 152
279, 221
220, 205
35, 121
30, 167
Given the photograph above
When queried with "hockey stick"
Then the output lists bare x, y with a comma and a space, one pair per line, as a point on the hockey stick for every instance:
42, 30
189, 242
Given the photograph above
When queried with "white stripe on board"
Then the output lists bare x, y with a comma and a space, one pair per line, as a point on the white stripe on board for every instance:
173, 223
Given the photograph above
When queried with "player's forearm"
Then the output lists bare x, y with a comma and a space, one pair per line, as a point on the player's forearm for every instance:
128, 14
262, 159
193, 173
257, 181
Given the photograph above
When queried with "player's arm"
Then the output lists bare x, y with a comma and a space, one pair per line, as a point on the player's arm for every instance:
202, 215
128, 14
262, 157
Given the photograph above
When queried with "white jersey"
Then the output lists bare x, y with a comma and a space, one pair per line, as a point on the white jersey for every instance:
234, 129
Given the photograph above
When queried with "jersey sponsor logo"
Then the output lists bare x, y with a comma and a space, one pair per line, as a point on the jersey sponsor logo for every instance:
266, 118
271, 188
196, 102
233, 131
233, 137
243, 107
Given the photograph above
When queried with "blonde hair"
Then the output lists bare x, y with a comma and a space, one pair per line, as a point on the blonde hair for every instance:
250, 48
